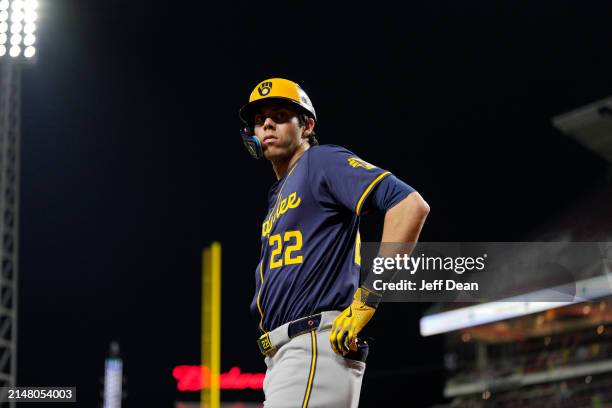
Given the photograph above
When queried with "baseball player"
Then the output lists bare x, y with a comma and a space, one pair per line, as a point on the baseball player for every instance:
308, 299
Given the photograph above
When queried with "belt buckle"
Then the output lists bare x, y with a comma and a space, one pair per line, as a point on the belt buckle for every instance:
265, 345
304, 325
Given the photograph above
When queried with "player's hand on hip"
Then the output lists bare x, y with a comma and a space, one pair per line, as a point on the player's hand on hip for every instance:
349, 323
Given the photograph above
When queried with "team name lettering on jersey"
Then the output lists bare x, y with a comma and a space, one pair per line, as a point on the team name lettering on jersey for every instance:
281, 207
357, 162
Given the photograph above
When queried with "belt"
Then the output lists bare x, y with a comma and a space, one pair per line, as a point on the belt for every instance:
270, 342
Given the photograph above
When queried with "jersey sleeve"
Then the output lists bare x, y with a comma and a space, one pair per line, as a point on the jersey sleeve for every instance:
388, 193
340, 178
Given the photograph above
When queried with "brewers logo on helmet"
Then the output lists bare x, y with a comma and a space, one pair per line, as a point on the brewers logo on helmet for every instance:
270, 89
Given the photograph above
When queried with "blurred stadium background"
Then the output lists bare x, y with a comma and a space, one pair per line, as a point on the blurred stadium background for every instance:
120, 160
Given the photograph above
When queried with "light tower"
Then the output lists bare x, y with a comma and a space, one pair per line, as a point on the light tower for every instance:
17, 39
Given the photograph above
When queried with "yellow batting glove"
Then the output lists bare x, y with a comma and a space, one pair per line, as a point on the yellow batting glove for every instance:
352, 320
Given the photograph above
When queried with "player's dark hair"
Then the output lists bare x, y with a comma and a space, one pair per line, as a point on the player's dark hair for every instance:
302, 119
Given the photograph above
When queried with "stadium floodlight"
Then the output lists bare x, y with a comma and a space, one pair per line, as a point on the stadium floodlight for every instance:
15, 51
29, 52
18, 24
17, 16
30, 16
29, 28
2, 50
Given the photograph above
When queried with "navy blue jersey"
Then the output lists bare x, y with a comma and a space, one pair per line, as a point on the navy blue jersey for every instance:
309, 261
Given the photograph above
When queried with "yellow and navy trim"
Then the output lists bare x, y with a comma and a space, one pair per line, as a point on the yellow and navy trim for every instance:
313, 369
261, 281
367, 191
358, 248
261, 275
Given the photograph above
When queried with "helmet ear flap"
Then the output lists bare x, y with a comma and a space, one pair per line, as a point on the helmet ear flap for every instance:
252, 143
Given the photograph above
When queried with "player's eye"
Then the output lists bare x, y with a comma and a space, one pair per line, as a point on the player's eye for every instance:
280, 116
259, 119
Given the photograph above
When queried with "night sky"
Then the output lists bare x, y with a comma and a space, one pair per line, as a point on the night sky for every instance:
131, 162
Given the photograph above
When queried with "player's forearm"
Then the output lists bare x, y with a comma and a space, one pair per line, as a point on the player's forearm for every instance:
403, 224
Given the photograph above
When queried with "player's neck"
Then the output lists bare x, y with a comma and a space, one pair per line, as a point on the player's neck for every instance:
281, 167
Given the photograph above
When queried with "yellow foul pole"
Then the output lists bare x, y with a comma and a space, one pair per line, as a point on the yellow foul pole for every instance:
210, 396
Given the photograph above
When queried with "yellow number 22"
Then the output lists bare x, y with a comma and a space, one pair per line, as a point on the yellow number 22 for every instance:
275, 241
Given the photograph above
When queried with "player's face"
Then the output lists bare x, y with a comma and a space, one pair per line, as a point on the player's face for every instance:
279, 131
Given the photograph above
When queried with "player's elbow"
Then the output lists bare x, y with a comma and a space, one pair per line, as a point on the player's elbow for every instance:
413, 209
417, 205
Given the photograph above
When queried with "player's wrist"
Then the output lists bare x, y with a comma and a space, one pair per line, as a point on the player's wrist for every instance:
368, 297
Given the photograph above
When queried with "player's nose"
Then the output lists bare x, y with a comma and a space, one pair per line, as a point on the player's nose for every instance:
269, 123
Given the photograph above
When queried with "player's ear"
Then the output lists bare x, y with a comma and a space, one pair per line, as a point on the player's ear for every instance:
308, 127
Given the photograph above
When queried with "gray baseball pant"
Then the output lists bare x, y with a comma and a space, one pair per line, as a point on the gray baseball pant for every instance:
305, 372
